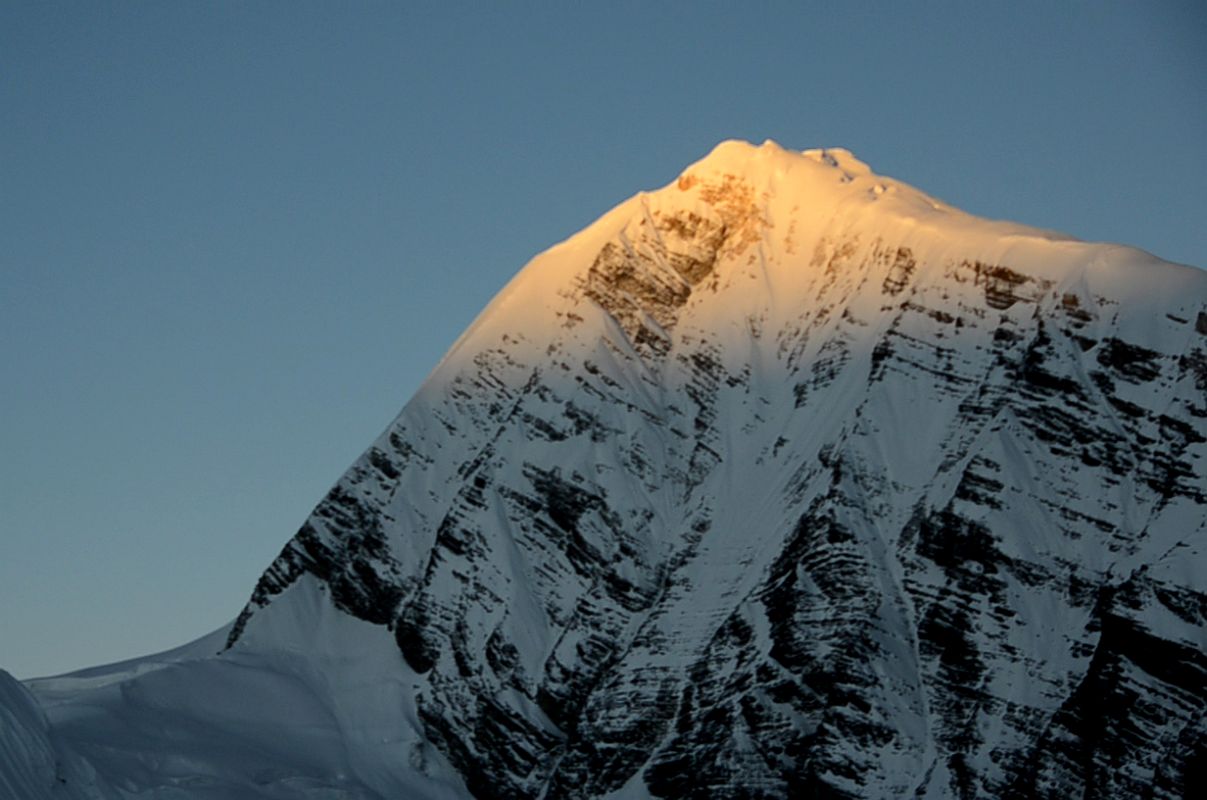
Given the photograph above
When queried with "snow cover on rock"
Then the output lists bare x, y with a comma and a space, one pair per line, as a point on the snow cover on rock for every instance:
783, 480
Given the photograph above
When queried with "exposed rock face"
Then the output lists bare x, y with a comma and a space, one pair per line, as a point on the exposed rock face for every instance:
922, 514
789, 481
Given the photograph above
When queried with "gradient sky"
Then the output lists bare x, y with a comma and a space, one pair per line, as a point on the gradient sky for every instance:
235, 237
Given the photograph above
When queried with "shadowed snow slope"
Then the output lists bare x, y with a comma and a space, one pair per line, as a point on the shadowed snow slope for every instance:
783, 480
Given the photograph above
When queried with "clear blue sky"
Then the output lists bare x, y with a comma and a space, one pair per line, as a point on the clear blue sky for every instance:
235, 237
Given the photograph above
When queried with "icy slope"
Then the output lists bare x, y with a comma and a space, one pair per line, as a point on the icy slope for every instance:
34, 763
785, 479
315, 706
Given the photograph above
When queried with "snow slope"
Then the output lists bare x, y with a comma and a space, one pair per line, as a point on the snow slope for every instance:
314, 706
35, 764
785, 479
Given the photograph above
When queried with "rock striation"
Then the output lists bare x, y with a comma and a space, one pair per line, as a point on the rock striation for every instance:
785, 480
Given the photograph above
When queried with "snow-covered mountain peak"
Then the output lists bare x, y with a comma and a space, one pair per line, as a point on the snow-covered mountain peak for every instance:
741, 157
771, 168
782, 480
768, 233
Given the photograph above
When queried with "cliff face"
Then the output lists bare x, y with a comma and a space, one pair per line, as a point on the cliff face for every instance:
785, 480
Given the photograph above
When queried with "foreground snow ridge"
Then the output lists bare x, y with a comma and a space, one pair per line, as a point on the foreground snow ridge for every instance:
784, 480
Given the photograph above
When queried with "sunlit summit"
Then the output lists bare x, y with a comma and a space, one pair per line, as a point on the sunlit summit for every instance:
783, 480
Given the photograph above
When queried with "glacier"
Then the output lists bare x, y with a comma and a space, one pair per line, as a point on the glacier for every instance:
783, 480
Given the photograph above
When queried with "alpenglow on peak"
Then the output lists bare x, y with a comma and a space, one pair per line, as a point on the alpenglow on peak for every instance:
785, 479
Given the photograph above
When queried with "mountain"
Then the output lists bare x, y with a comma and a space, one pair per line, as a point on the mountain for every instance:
784, 480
